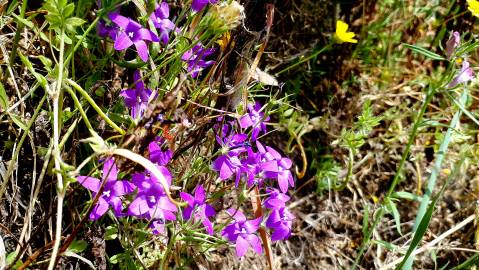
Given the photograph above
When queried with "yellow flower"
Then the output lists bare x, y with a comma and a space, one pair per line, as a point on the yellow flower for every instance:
341, 33
473, 7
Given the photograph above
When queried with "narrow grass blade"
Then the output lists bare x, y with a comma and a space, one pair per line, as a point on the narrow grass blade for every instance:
424, 52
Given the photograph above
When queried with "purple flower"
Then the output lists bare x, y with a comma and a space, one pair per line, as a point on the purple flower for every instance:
157, 155
242, 232
229, 163
255, 166
132, 33
151, 202
160, 20
254, 119
280, 221
106, 29
276, 199
195, 58
465, 74
198, 5
233, 144
136, 99
196, 205
276, 166
452, 43
112, 190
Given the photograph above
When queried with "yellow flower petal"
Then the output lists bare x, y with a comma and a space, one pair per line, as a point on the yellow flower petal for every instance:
341, 27
341, 33
473, 7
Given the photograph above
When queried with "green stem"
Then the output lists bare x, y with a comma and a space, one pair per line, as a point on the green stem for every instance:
350, 170
80, 108
95, 106
435, 171
397, 176
56, 95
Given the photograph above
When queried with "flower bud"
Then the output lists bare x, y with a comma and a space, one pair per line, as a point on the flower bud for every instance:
452, 43
227, 15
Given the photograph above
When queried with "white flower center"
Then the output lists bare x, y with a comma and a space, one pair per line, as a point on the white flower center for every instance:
130, 34
152, 199
106, 193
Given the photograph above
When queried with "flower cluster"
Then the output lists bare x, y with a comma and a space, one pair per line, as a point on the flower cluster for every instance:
150, 201
127, 32
241, 155
245, 158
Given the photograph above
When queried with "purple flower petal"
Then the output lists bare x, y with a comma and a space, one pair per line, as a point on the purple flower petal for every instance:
241, 246
121, 188
110, 170
200, 194
209, 211
466, 74
90, 183
280, 233
116, 205
208, 226
163, 10
188, 198
130, 97
452, 43
283, 182
236, 214
146, 34
142, 50
138, 207
255, 243
253, 225
122, 42
119, 20
99, 209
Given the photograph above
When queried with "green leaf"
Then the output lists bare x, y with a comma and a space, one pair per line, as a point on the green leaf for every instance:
406, 196
392, 209
54, 20
68, 10
111, 233
386, 244
40, 78
18, 121
3, 98
28, 23
77, 246
11, 8
51, 7
10, 257
424, 52
62, 4
365, 226
117, 258
74, 21
420, 232
47, 62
